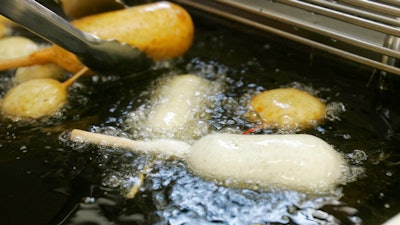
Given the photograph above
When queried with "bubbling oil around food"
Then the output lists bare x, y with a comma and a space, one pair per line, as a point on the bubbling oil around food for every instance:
180, 197
174, 196
153, 119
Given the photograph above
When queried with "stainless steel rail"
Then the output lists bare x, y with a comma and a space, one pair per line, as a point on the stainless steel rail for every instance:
364, 31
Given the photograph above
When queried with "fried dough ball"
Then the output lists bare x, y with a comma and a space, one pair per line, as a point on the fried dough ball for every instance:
34, 99
16, 47
37, 98
50, 70
288, 109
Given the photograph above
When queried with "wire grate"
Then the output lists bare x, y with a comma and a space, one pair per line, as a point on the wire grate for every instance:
364, 31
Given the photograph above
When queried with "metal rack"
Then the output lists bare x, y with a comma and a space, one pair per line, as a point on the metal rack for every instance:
364, 31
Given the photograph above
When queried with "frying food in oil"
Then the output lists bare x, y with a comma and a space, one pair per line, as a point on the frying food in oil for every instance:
287, 109
162, 30
290, 161
16, 47
177, 103
36, 98
298, 162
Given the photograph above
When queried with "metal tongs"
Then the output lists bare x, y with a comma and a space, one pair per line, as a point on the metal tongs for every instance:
108, 56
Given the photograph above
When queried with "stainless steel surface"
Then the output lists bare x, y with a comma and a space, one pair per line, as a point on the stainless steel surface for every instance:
105, 56
355, 30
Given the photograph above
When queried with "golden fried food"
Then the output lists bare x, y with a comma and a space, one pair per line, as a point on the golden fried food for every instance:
288, 109
36, 98
78, 8
162, 30
15, 47
50, 70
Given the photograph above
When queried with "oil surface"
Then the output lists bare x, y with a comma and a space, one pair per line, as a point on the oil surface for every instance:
48, 180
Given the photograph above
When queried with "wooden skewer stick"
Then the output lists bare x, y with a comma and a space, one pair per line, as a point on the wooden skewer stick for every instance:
161, 146
166, 147
71, 80
135, 189
42, 56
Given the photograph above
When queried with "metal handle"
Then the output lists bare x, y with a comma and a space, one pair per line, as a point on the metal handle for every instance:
47, 24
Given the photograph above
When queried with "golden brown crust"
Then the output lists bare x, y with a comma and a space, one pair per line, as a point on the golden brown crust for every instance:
65, 59
288, 108
34, 99
163, 30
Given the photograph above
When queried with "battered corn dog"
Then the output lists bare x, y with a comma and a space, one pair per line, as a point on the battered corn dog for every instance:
298, 162
162, 30
179, 98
